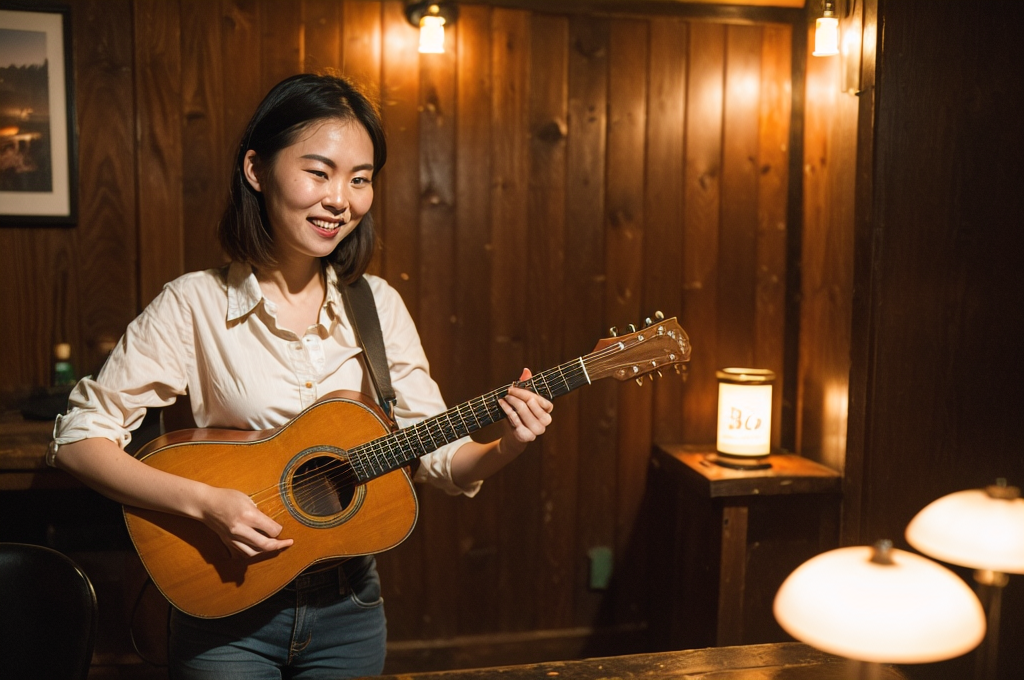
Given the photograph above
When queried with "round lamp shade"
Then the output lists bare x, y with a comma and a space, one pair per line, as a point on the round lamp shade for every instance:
912, 610
972, 529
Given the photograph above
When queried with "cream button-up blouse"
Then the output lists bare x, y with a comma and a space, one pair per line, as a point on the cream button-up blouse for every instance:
214, 335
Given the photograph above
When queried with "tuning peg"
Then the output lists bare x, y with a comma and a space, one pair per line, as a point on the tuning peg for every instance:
632, 328
640, 380
659, 373
678, 370
613, 331
648, 323
659, 316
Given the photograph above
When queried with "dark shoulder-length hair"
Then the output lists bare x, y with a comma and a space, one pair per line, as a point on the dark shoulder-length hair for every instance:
289, 108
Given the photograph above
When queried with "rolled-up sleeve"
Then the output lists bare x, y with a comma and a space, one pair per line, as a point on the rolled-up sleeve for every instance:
418, 395
145, 370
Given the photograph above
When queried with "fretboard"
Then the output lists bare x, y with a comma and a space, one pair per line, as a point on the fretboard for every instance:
396, 450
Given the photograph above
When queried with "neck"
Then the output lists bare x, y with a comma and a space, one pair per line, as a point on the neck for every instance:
293, 279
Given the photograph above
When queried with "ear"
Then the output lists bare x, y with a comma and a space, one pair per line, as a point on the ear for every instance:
250, 171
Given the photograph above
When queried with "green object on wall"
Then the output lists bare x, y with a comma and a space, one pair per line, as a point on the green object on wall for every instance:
600, 567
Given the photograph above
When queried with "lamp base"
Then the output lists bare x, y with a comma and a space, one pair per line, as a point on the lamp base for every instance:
739, 462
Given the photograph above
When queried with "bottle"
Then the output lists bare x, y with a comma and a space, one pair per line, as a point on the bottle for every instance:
63, 371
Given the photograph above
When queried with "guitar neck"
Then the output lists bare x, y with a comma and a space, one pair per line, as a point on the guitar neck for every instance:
397, 450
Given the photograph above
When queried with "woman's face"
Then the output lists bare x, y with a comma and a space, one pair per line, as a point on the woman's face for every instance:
318, 189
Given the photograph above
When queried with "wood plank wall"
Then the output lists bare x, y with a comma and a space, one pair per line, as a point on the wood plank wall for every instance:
550, 176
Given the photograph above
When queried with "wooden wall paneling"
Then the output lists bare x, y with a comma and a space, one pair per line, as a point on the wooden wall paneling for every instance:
397, 201
106, 234
241, 84
205, 146
282, 52
399, 197
362, 59
737, 232
557, 452
663, 201
517, 514
436, 275
157, 32
862, 316
830, 137
700, 227
43, 305
477, 525
628, 45
585, 281
772, 194
321, 35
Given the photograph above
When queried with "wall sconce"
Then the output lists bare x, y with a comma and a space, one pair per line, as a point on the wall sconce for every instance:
982, 529
744, 418
826, 32
431, 18
880, 605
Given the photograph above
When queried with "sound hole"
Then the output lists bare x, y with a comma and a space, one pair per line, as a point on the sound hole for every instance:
323, 486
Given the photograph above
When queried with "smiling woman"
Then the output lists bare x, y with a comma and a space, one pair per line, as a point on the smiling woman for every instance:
255, 344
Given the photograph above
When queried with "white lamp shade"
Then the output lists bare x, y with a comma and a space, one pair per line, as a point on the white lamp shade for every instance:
744, 411
972, 529
911, 611
826, 37
432, 34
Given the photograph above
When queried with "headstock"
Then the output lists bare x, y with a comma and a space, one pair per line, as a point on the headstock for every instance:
660, 343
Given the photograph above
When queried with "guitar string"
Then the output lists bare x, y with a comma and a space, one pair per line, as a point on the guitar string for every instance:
379, 448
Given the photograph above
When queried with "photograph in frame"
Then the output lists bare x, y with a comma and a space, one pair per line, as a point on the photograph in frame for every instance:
38, 178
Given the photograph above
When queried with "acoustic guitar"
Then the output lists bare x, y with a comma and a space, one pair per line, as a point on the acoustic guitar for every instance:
335, 477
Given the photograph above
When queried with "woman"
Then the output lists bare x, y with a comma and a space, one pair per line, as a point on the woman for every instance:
253, 344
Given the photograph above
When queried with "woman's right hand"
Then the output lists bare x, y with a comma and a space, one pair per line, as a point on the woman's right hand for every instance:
240, 524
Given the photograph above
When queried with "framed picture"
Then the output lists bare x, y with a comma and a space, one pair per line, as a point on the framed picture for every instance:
38, 144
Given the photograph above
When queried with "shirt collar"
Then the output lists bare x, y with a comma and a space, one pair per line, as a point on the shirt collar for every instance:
244, 292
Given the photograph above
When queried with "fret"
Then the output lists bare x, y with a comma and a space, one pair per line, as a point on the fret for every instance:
562, 376
416, 430
547, 388
583, 367
458, 409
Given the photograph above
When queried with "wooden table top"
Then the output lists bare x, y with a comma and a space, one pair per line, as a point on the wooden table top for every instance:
23, 445
788, 473
778, 661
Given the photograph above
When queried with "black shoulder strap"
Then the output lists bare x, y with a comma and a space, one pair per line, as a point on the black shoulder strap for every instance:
362, 312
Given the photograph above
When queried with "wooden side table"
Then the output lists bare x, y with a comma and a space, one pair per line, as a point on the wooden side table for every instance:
729, 539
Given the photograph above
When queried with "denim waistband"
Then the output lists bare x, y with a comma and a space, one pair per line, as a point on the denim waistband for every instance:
321, 575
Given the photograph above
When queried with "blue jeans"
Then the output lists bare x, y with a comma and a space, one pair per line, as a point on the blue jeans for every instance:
319, 627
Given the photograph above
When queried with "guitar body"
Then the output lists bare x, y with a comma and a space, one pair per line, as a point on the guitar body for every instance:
297, 474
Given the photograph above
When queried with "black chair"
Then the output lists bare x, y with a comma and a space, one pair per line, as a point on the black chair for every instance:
47, 614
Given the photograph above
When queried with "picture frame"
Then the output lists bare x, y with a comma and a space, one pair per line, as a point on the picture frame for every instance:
38, 133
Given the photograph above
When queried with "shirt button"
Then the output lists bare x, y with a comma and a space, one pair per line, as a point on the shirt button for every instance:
309, 384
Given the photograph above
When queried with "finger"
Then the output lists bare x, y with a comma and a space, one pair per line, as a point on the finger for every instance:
527, 396
511, 413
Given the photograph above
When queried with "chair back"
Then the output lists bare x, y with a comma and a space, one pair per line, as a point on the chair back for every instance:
47, 614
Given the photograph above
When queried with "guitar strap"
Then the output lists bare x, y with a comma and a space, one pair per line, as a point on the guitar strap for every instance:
362, 312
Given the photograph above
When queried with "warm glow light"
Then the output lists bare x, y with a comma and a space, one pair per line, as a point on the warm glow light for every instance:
432, 34
745, 411
912, 610
972, 529
826, 37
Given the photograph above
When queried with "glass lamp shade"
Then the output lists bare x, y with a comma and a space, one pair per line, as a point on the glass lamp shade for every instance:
912, 610
972, 529
826, 37
432, 34
744, 411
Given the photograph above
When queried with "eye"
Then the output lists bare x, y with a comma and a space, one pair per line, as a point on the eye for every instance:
362, 180
318, 173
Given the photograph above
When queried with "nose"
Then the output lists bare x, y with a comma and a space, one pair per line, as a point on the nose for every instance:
336, 197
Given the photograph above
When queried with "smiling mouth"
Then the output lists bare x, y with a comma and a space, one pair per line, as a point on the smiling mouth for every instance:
327, 226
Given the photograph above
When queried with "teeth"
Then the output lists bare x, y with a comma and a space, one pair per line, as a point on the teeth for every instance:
330, 226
